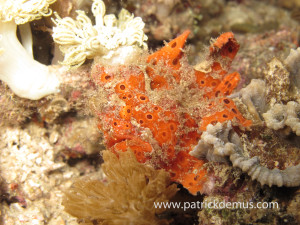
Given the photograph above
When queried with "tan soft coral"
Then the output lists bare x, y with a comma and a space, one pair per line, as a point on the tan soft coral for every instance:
127, 198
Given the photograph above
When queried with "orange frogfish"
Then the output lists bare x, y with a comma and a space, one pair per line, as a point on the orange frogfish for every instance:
160, 106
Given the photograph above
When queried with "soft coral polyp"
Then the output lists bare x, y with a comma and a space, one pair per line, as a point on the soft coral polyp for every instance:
163, 136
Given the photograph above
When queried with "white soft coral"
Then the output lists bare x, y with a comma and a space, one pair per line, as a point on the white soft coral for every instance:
80, 40
26, 77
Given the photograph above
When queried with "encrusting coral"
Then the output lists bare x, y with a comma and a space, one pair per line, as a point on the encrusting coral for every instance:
160, 107
254, 97
277, 82
126, 198
109, 37
292, 64
283, 93
276, 117
281, 115
219, 141
292, 120
275, 99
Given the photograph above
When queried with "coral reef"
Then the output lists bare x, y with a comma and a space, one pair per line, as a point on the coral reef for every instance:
126, 198
75, 87
258, 49
165, 19
274, 99
39, 161
173, 100
220, 141
14, 111
80, 138
245, 215
29, 173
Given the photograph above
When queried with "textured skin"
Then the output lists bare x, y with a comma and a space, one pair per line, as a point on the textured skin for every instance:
163, 134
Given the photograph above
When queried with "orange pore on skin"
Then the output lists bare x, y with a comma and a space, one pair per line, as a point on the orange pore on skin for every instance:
160, 136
